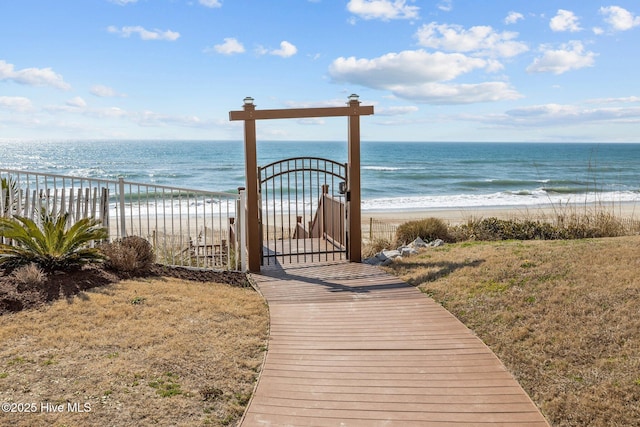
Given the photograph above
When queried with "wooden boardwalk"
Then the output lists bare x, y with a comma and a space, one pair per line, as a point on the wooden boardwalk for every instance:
301, 251
353, 346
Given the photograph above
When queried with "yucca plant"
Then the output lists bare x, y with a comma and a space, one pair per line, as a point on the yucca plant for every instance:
50, 246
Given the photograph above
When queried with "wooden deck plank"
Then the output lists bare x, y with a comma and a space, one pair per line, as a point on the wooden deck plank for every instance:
437, 390
423, 399
351, 345
395, 406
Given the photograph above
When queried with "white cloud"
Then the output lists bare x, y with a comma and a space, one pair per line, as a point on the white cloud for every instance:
316, 104
446, 5
437, 93
77, 102
570, 56
542, 110
624, 100
396, 111
565, 20
419, 76
382, 9
15, 103
619, 19
548, 114
229, 47
411, 66
286, 50
210, 3
32, 76
312, 121
577, 120
104, 91
108, 113
598, 31
482, 40
144, 33
123, 2
513, 17
145, 118
153, 119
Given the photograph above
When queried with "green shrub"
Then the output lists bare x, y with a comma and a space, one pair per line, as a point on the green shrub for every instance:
50, 246
131, 255
427, 229
565, 227
598, 224
506, 229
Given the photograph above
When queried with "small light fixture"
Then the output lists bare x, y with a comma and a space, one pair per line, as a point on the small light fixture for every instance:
248, 100
342, 188
353, 97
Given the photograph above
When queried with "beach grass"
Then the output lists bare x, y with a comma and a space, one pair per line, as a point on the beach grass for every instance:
158, 351
561, 315
384, 230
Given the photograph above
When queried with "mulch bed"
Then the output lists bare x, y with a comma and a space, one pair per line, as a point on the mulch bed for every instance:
16, 297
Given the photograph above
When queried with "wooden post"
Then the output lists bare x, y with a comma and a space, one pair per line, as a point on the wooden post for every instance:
354, 236
121, 199
251, 173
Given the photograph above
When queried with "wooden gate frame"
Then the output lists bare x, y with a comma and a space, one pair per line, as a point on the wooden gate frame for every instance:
249, 115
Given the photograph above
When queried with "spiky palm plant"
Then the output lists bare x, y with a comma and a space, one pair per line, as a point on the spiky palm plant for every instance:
50, 246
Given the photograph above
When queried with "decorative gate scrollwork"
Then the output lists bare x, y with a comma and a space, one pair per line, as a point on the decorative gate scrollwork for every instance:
302, 216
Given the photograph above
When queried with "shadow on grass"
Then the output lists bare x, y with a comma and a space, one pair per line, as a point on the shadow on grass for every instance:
15, 297
434, 270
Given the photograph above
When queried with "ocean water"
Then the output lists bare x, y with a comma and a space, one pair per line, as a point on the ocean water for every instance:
395, 175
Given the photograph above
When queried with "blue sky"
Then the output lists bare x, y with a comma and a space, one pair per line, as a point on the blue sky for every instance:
447, 70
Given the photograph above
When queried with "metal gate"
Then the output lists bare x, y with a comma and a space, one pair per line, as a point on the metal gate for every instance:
302, 215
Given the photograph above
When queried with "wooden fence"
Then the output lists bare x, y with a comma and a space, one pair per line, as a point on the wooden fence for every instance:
90, 203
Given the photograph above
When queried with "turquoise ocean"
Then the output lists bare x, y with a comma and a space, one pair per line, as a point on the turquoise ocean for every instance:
395, 175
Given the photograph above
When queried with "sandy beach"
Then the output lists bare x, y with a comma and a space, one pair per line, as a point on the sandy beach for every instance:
460, 215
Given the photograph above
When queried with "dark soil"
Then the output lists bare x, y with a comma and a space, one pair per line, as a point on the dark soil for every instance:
15, 297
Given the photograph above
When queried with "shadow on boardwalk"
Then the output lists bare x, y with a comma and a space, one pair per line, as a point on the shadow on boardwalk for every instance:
353, 346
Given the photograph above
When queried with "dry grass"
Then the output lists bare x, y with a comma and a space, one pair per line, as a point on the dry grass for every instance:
155, 352
563, 316
378, 244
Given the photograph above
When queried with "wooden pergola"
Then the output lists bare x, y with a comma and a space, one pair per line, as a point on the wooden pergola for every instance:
249, 115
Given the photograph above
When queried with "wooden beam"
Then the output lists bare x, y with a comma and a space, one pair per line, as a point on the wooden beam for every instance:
301, 113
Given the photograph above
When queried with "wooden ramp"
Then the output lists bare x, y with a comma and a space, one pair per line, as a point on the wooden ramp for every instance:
353, 346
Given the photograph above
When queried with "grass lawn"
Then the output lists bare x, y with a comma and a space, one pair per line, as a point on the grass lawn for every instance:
138, 352
563, 316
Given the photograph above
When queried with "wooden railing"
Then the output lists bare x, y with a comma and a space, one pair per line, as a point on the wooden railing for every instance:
328, 220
